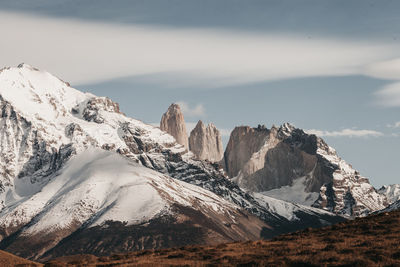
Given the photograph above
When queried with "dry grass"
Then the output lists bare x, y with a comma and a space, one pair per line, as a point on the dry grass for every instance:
372, 241
7, 259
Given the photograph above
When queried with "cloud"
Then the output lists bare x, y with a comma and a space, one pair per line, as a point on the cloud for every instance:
197, 111
388, 69
388, 96
83, 52
396, 125
346, 133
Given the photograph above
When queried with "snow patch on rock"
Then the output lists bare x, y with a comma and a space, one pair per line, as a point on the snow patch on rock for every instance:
295, 193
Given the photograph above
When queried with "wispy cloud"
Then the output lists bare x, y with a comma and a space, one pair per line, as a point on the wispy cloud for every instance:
83, 52
346, 133
388, 96
387, 69
196, 111
394, 125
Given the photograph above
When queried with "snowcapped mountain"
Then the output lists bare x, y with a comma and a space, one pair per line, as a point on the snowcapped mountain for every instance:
392, 192
44, 122
291, 165
99, 187
76, 173
348, 193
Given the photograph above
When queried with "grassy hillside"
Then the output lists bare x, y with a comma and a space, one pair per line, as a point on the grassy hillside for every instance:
370, 241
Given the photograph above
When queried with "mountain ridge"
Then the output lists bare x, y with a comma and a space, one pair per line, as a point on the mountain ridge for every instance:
292, 165
46, 124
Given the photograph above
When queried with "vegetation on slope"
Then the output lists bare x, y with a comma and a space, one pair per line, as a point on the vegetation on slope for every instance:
370, 241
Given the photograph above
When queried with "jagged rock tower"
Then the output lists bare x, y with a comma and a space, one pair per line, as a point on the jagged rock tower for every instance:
173, 123
205, 142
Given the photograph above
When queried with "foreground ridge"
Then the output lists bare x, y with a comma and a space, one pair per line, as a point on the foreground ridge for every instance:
368, 241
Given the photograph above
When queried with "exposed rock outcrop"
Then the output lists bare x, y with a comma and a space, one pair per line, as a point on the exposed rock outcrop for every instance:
243, 143
173, 123
91, 109
205, 142
289, 164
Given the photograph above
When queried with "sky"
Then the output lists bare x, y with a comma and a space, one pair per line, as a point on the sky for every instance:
329, 67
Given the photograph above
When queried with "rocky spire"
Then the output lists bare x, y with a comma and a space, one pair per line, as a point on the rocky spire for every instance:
173, 123
205, 142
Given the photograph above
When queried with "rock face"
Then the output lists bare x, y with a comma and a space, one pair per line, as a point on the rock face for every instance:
289, 164
205, 142
243, 143
173, 123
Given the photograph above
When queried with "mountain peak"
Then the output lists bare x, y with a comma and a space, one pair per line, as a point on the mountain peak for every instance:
38, 95
205, 142
173, 123
392, 192
211, 126
26, 66
287, 128
174, 108
292, 165
199, 125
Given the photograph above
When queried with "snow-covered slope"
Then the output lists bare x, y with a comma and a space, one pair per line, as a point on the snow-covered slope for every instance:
289, 210
97, 186
294, 193
46, 128
97, 180
44, 121
392, 192
348, 193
